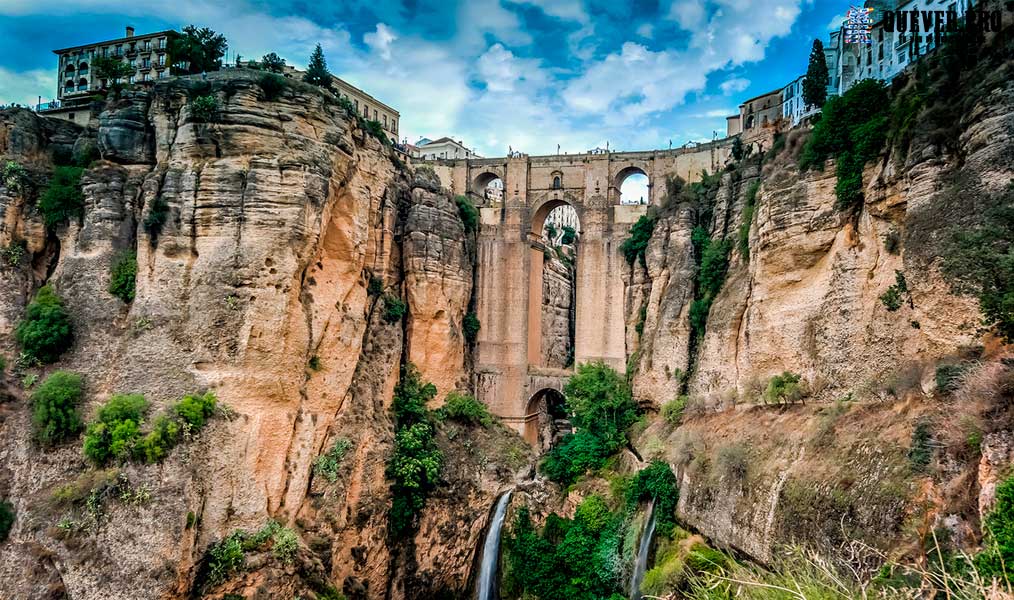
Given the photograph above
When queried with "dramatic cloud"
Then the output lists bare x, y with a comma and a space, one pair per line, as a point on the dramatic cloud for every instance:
525, 74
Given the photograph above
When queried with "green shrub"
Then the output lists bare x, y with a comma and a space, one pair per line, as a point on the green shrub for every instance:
122, 276
465, 409
375, 129
55, 403
117, 429
272, 85
949, 376
284, 545
921, 452
569, 235
157, 217
892, 242
13, 253
415, 463
892, 298
732, 462
394, 308
225, 558
657, 482
273, 62
470, 324
672, 411
469, 214
714, 265
194, 410
45, 333
187, 416
156, 444
998, 552
15, 177
634, 247
204, 109
785, 388
375, 287
6, 520
314, 363
979, 261
327, 464
63, 198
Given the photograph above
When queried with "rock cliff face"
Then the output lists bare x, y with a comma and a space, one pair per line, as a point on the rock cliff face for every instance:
282, 218
806, 299
557, 313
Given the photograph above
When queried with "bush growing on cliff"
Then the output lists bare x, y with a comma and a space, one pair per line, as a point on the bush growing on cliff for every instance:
375, 129
15, 177
672, 411
316, 71
995, 561
63, 198
327, 464
272, 85
784, 389
394, 308
569, 235
117, 429
45, 333
658, 483
465, 409
470, 324
634, 247
55, 403
6, 520
156, 218
714, 265
414, 465
980, 261
204, 109
469, 214
122, 276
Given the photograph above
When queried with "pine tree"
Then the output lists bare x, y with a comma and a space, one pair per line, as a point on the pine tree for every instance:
316, 72
815, 84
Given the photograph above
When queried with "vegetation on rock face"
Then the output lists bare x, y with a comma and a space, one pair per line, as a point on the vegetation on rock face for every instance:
204, 109
202, 48
852, 129
394, 308
272, 85
122, 276
569, 235
465, 409
634, 247
156, 218
469, 214
470, 324
980, 261
116, 433
63, 199
15, 177
45, 333
602, 410
785, 389
714, 264
414, 465
229, 555
672, 411
893, 297
750, 202
272, 62
327, 464
658, 483
6, 519
55, 416
316, 71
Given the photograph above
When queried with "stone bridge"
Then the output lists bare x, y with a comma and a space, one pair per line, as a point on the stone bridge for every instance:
510, 378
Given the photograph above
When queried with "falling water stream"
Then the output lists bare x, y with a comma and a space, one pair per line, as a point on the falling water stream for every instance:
487, 581
641, 562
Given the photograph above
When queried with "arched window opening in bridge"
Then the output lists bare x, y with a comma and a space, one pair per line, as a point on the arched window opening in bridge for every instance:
557, 182
488, 189
634, 189
546, 420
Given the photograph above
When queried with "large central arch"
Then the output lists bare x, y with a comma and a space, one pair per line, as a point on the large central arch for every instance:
536, 262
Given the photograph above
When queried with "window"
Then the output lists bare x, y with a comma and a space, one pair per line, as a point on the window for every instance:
144, 77
161, 43
374, 114
130, 79
385, 121
161, 59
71, 116
146, 63
133, 64
119, 49
556, 183
147, 45
161, 74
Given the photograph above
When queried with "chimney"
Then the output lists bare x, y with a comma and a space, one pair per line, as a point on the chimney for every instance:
130, 31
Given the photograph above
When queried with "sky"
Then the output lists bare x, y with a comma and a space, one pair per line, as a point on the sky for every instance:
528, 75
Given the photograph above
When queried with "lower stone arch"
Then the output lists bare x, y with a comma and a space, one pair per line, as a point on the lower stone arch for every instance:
546, 418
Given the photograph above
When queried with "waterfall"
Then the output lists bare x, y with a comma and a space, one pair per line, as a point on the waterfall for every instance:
486, 585
641, 562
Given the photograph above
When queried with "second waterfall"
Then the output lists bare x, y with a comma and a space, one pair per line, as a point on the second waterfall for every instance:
486, 584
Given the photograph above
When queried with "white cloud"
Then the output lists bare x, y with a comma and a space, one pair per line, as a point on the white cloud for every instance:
567, 10
688, 14
646, 30
380, 40
24, 88
836, 22
734, 85
716, 113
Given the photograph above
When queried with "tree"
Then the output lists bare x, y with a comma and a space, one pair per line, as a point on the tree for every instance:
273, 62
316, 71
45, 333
201, 49
108, 70
815, 84
737, 149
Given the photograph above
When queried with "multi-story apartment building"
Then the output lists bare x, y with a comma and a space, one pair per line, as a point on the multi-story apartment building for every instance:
794, 109
369, 107
444, 147
77, 82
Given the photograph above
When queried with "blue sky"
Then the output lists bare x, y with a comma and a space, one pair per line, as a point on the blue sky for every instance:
527, 74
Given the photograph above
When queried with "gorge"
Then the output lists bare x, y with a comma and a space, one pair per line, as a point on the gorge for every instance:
289, 362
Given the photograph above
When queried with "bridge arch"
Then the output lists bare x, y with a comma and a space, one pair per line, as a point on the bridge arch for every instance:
632, 185
546, 418
488, 186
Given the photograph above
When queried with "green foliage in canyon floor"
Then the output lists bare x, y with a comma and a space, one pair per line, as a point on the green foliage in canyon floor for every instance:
55, 416
602, 410
46, 332
464, 408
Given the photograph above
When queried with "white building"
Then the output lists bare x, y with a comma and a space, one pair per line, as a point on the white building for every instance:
444, 147
794, 109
